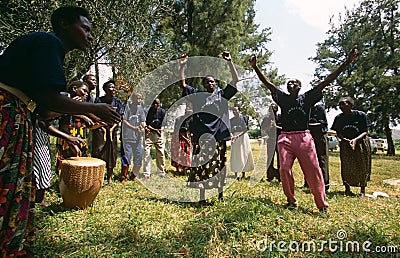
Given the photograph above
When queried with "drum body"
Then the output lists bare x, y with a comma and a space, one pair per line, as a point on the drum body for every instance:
80, 181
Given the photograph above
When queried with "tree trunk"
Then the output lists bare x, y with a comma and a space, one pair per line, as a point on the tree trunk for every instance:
96, 71
190, 11
388, 133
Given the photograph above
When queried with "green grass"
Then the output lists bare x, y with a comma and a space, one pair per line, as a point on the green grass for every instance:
131, 221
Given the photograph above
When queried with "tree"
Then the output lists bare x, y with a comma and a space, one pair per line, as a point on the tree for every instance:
135, 37
208, 27
373, 80
123, 33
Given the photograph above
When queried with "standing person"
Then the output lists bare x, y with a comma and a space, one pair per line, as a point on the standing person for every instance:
271, 129
154, 136
37, 54
73, 126
318, 128
209, 108
351, 127
104, 143
41, 157
41, 164
91, 81
295, 140
132, 125
241, 154
181, 142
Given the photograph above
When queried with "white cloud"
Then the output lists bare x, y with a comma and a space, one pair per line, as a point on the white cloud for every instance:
317, 13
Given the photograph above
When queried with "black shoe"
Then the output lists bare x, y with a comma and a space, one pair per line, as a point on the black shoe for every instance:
349, 193
324, 211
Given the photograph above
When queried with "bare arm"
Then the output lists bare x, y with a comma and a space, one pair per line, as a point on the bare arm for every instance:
355, 140
227, 56
137, 128
352, 56
182, 61
261, 76
48, 128
58, 103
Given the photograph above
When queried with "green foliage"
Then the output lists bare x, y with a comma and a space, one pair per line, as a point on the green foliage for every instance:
206, 28
254, 133
136, 37
123, 34
373, 79
397, 144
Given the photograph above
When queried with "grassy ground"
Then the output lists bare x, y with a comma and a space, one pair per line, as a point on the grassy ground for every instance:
131, 221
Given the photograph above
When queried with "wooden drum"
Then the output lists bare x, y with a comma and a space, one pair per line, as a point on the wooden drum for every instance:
80, 181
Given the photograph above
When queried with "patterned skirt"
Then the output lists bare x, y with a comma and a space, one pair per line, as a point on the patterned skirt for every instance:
17, 191
356, 164
41, 160
180, 150
208, 164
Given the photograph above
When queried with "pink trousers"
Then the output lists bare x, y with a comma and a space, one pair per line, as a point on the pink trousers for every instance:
300, 145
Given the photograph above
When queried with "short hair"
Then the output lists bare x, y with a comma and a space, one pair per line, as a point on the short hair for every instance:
107, 83
294, 80
69, 14
77, 84
85, 78
347, 99
238, 107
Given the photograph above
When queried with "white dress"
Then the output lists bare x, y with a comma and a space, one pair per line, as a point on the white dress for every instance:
241, 154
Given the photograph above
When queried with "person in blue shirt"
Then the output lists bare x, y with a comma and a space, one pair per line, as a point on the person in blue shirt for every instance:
132, 126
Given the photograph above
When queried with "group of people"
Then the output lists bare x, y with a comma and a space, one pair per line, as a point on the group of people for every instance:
30, 102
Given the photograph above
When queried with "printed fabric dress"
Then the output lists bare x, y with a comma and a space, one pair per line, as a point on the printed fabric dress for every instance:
210, 133
181, 143
76, 128
17, 191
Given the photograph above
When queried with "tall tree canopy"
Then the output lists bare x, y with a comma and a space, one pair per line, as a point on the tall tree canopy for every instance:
122, 32
373, 80
208, 27
135, 36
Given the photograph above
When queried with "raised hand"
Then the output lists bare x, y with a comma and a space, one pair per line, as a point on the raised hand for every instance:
183, 59
253, 61
226, 55
353, 53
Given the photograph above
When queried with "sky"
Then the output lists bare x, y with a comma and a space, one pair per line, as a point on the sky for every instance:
297, 26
